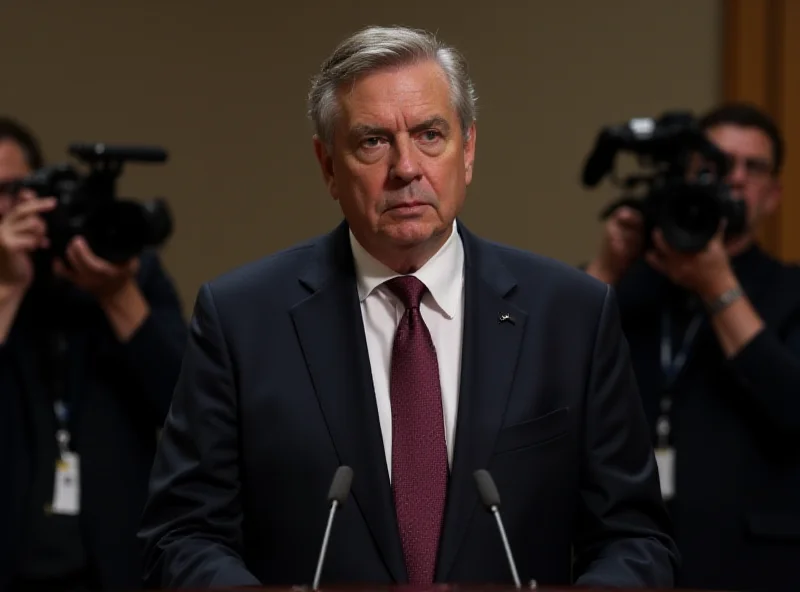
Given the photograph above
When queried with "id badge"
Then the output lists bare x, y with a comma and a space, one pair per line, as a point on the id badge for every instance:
665, 459
67, 489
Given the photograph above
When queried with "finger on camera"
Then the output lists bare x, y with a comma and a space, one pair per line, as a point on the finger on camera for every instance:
656, 261
24, 242
30, 208
38, 205
30, 224
660, 243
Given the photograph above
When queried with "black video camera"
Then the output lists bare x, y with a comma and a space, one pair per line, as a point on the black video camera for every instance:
87, 205
686, 201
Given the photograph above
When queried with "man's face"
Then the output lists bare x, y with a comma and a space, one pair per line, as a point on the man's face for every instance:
399, 164
13, 167
752, 162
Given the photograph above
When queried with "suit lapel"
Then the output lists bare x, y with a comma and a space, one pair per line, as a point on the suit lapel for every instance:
490, 351
331, 333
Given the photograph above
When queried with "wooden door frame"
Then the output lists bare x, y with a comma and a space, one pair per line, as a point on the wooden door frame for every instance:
761, 44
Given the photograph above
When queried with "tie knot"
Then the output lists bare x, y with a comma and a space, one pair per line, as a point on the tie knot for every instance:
408, 289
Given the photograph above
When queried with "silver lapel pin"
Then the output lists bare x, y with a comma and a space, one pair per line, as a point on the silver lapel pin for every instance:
505, 318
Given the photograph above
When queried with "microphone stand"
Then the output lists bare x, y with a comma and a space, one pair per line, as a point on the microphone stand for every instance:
325, 538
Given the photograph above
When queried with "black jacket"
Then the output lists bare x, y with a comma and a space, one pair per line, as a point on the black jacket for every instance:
735, 429
120, 396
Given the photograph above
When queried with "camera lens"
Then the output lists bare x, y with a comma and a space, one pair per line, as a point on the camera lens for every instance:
690, 217
116, 231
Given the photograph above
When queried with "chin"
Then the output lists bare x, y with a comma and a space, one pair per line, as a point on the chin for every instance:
412, 233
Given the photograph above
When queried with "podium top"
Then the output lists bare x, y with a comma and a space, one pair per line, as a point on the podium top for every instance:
442, 588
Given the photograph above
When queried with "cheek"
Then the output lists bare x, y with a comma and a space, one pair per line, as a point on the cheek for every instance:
754, 198
361, 186
448, 182
755, 205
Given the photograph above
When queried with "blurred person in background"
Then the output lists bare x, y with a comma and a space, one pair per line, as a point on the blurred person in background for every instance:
715, 339
89, 355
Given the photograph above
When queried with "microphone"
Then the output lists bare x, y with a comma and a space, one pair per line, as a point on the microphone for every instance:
490, 498
337, 495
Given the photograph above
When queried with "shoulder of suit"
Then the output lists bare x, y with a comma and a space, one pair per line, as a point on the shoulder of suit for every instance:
268, 270
538, 270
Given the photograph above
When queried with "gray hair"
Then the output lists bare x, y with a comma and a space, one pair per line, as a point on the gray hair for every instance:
375, 48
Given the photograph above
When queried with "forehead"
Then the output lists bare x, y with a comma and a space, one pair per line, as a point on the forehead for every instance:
12, 160
742, 141
395, 97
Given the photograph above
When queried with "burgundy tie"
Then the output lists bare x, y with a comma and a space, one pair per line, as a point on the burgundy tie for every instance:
419, 452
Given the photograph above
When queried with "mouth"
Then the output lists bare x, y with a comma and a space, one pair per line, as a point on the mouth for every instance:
408, 209
408, 205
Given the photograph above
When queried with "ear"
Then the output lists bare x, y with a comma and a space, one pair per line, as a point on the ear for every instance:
469, 153
326, 164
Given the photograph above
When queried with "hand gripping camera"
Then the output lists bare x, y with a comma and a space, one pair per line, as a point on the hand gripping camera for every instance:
685, 196
88, 205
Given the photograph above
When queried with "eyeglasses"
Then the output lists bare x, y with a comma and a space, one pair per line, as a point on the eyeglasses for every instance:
10, 189
753, 167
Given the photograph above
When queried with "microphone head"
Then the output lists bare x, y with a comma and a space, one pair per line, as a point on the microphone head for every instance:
340, 486
490, 497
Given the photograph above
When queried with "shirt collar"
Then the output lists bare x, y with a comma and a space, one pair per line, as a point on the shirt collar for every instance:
442, 274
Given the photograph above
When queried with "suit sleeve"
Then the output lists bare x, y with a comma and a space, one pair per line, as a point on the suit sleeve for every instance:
624, 532
769, 370
153, 354
191, 526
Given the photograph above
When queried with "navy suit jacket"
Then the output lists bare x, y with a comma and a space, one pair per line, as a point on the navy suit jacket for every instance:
276, 392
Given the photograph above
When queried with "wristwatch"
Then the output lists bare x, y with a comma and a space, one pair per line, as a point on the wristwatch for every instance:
725, 300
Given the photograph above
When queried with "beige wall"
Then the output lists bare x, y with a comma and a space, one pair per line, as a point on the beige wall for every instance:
222, 86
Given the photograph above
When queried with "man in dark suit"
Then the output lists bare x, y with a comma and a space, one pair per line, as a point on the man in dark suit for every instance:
402, 345
89, 356
723, 403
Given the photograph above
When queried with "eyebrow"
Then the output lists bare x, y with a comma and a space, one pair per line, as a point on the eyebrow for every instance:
436, 121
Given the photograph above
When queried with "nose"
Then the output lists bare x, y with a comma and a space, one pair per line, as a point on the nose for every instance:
738, 173
404, 165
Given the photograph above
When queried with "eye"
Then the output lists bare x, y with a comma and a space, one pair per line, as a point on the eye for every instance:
756, 167
430, 135
371, 142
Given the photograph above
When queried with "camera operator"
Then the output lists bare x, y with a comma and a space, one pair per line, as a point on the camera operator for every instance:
715, 338
89, 355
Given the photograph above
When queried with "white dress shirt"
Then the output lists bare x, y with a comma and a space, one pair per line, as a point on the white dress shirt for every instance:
442, 308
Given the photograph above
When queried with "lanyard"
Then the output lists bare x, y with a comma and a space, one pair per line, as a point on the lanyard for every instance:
671, 368
62, 433
59, 374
